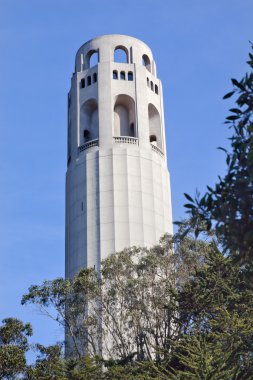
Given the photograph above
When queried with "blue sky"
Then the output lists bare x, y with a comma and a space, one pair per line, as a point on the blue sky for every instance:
198, 46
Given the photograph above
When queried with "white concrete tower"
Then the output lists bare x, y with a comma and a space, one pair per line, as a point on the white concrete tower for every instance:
117, 185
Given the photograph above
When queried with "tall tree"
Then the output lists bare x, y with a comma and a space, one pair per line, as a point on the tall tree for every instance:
228, 206
13, 346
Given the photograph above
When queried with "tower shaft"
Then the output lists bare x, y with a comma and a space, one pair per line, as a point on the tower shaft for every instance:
117, 182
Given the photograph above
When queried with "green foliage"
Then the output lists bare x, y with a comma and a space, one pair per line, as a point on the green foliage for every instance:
215, 309
85, 368
13, 346
15, 332
12, 361
228, 206
49, 364
65, 301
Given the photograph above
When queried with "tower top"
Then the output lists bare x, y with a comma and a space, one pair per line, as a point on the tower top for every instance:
105, 46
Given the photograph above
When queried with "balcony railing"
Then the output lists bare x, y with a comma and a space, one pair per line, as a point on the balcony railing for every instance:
126, 140
157, 150
87, 145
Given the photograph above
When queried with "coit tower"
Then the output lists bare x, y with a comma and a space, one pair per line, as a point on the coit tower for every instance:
117, 182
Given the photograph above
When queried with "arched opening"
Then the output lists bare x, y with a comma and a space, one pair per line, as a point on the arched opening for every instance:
154, 126
122, 75
91, 59
146, 62
86, 135
89, 121
124, 116
115, 74
121, 54
152, 86
130, 76
89, 80
153, 140
156, 89
95, 77
82, 83
148, 82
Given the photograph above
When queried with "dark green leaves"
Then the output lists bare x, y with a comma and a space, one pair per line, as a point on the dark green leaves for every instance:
228, 95
238, 84
228, 206
187, 196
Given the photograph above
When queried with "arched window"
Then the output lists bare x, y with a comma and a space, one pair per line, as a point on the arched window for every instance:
124, 116
82, 83
154, 126
146, 62
121, 54
153, 139
69, 101
152, 86
122, 75
156, 89
148, 82
92, 58
89, 80
86, 135
95, 77
130, 75
89, 121
115, 74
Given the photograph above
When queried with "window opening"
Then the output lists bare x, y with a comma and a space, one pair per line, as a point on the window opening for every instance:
146, 62
89, 80
121, 55
115, 74
122, 75
153, 139
95, 77
152, 86
156, 89
130, 76
148, 82
131, 130
93, 61
82, 83
86, 134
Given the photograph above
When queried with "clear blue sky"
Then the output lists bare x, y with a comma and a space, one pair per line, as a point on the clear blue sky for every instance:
198, 46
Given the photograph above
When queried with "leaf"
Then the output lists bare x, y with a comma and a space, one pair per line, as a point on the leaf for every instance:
178, 223
188, 197
235, 110
228, 95
189, 205
237, 84
233, 117
224, 150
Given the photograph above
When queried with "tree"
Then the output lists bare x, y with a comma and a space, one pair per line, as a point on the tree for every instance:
228, 206
13, 346
185, 313
215, 310
49, 364
66, 301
